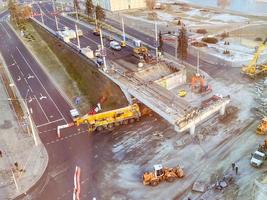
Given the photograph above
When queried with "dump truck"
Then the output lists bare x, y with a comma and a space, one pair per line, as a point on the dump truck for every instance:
262, 127
259, 156
109, 119
162, 174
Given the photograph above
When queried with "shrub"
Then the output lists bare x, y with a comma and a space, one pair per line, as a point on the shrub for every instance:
202, 31
258, 39
199, 44
210, 40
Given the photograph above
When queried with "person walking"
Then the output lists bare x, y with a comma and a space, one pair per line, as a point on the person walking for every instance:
236, 170
1, 154
233, 166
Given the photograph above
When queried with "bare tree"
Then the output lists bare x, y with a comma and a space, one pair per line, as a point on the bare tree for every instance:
223, 3
89, 8
182, 43
99, 13
150, 4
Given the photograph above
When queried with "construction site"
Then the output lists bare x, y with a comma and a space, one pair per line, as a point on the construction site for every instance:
162, 126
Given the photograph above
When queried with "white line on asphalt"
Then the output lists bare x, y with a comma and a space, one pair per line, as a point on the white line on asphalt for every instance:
65, 138
58, 120
16, 64
28, 84
41, 108
41, 84
5, 31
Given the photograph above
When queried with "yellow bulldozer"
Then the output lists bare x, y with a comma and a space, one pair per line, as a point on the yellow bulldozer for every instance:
162, 174
262, 127
253, 69
142, 54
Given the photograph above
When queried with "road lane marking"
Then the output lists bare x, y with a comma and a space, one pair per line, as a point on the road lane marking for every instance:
58, 120
41, 108
28, 85
41, 83
66, 137
17, 64
5, 30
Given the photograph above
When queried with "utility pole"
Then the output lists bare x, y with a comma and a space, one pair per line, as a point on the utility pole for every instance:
102, 49
54, 8
156, 37
42, 17
77, 36
76, 11
123, 30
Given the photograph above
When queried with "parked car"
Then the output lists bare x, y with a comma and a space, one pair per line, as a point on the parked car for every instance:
99, 61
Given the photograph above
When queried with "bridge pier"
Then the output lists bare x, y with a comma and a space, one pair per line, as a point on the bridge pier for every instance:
192, 129
222, 109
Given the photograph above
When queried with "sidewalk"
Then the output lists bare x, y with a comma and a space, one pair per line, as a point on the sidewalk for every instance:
17, 146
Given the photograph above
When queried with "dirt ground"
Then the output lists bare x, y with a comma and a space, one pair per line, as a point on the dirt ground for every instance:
127, 152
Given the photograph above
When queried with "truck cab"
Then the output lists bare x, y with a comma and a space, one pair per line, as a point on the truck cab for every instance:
257, 158
74, 115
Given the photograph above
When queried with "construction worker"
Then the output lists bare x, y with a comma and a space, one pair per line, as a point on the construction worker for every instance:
236, 170
233, 166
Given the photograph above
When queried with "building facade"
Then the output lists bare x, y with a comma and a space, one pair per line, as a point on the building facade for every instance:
115, 5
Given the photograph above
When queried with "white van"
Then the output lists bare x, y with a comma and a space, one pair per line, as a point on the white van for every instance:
115, 45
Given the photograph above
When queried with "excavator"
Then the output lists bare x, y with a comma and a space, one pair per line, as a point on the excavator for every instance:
262, 127
198, 84
252, 69
162, 174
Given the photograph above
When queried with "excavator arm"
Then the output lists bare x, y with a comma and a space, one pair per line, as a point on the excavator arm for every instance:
250, 69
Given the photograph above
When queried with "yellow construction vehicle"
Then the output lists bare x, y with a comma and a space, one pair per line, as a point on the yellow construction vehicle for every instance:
182, 93
252, 69
162, 174
123, 43
109, 119
142, 54
262, 127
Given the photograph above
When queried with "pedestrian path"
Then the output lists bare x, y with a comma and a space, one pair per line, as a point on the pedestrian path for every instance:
21, 162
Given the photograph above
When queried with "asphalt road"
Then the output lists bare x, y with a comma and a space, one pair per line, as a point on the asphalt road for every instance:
49, 109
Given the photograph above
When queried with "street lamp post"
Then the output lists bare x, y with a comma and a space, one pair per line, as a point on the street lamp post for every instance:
54, 8
102, 49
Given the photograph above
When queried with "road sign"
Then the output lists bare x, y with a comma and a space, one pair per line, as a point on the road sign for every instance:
77, 100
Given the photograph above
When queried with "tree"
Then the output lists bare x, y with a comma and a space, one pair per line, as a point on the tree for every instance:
76, 5
150, 4
182, 43
160, 42
89, 8
13, 9
100, 13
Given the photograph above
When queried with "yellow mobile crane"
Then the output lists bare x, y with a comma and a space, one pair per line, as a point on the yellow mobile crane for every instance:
108, 119
253, 69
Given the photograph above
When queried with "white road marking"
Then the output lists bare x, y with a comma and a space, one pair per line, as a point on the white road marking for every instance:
41, 83
41, 108
58, 120
5, 31
28, 85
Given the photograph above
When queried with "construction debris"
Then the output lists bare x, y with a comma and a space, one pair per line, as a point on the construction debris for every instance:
229, 115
